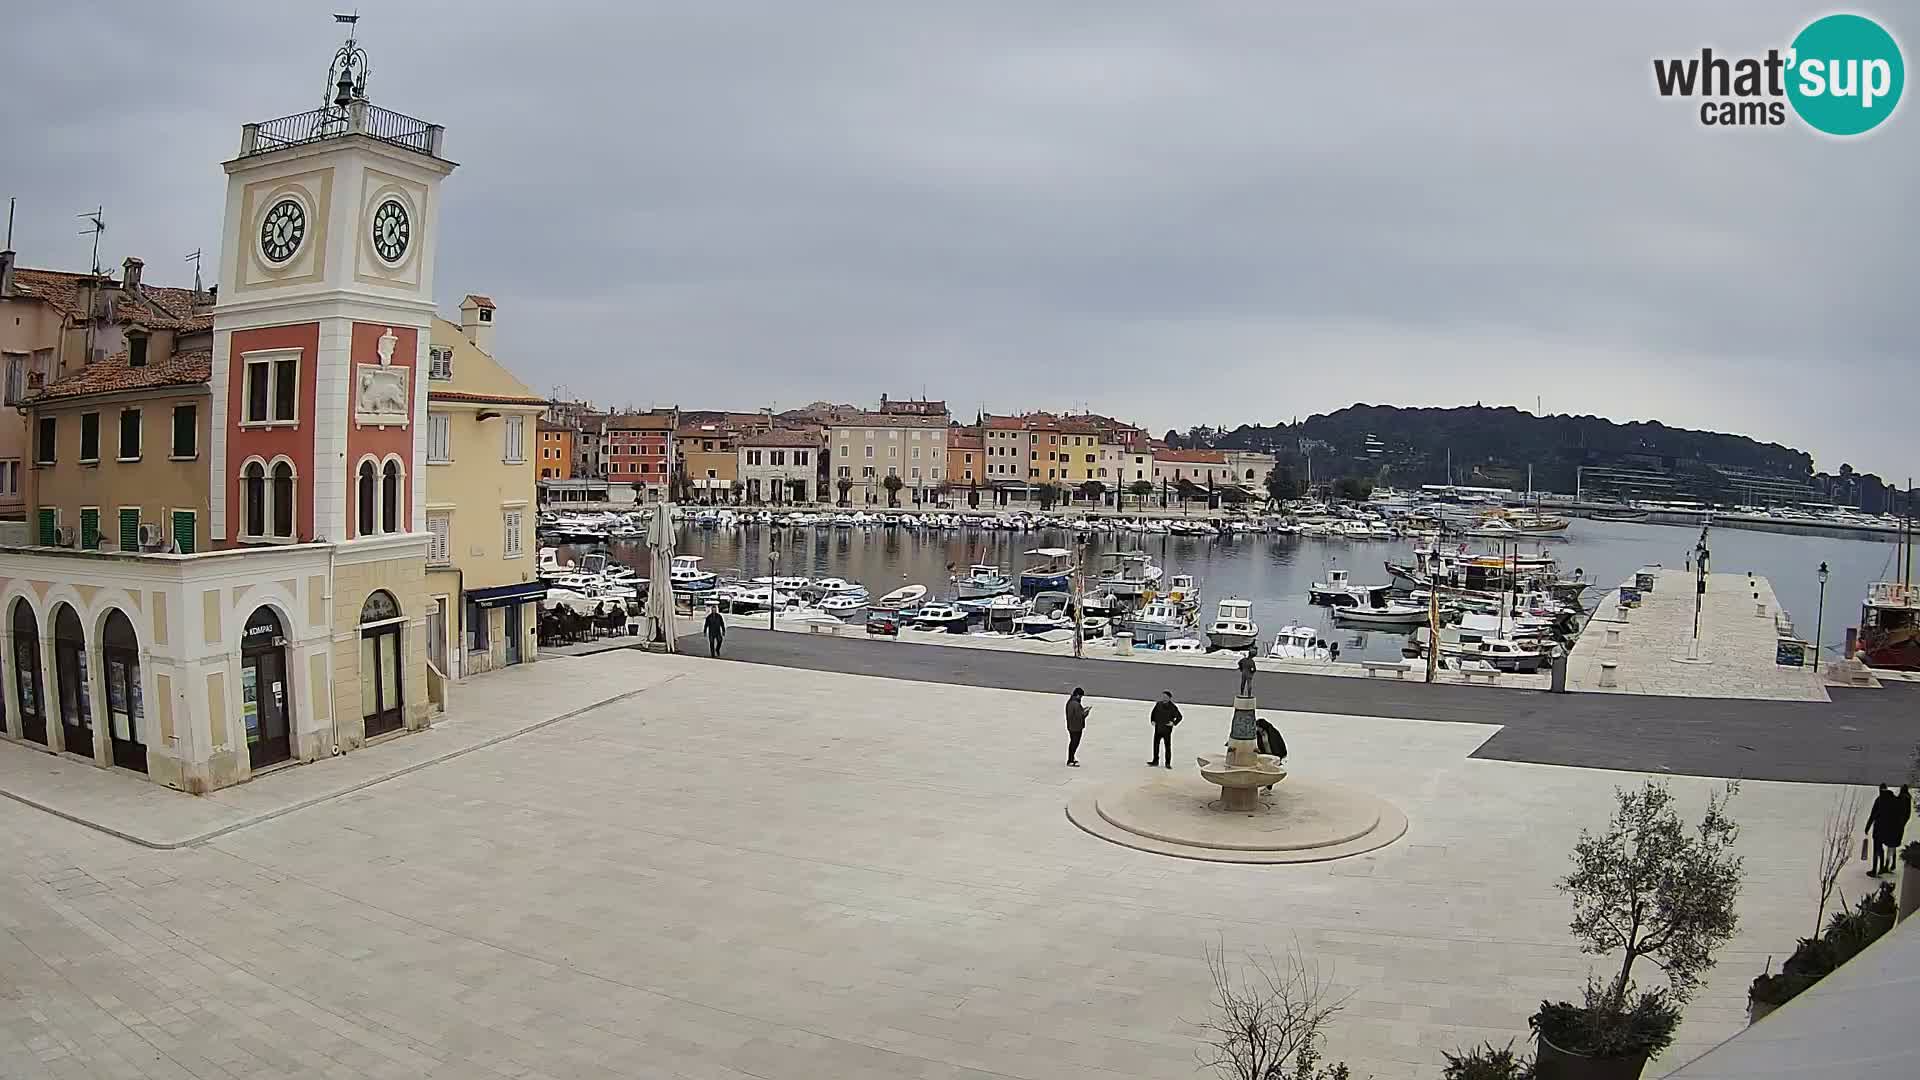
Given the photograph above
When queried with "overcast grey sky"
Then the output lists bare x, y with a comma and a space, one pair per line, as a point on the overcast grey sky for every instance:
1177, 212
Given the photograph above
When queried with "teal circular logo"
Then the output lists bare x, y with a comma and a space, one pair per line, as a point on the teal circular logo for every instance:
1845, 74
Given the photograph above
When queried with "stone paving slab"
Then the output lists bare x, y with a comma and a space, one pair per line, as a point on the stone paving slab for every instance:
481, 712
757, 871
1736, 643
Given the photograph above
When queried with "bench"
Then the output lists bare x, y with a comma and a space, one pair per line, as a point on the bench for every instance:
1374, 667
1492, 675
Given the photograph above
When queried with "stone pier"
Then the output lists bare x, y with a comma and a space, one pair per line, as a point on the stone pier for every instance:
1643, 650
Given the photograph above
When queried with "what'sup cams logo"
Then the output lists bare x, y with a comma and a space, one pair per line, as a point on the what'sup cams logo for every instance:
1842, 76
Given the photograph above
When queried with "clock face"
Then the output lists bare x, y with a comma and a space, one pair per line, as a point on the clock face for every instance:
280, 234
391, 231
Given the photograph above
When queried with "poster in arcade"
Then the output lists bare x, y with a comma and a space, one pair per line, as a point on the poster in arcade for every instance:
250, 702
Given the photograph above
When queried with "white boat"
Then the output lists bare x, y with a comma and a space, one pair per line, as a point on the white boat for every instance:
1389, 614
845, 606
749, 599
833, 586
1339, 591
1298, 643
1505, 654
1233, 626
981, 580
1184, 590
906, 596
1128, 574
1186, 644
1159, 622
685, 575
1034, 624
944, 617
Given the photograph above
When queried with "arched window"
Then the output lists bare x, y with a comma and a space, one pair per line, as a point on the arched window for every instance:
283, 500
380, 607
367, 484
390, 498
253, 498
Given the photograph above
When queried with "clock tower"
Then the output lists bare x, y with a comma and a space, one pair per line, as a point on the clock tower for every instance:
320, 336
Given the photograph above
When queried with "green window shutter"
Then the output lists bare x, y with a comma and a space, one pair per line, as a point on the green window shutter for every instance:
183, 530
89, 529
49, 520
130, 529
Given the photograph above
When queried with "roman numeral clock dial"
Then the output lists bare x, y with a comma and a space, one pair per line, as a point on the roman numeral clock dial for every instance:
282, 230
392, 230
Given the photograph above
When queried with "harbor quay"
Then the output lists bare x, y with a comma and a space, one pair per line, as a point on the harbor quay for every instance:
642, 865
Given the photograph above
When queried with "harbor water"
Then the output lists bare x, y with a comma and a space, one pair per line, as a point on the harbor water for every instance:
1275, 572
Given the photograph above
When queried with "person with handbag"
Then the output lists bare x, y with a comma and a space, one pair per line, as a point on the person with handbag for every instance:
1884, 825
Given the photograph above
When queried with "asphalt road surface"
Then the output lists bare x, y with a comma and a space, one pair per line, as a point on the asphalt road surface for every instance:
1862, 737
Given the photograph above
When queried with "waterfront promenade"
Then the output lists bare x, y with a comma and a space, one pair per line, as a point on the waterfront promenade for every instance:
633, 865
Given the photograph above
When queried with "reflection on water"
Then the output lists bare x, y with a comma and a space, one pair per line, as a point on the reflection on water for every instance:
1276, 571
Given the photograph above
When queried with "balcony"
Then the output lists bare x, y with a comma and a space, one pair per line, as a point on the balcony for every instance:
359, 118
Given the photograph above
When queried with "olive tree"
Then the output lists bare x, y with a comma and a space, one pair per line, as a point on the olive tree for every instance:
1648, 887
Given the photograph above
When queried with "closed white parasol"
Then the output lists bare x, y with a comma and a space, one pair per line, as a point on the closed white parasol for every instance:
660, 583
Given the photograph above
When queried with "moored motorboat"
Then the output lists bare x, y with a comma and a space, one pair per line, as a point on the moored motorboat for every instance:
942, 617
1233, 626
1298, 643
906, 596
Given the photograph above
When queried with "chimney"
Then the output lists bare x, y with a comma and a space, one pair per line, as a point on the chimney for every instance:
6, 272
476, 320
130, 274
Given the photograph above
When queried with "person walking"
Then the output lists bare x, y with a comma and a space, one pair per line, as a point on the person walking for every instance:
1884, 826
1077, 712
1902, 810
716, 630
1166, 717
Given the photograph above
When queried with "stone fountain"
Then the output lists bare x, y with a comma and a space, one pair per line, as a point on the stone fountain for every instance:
1223, 815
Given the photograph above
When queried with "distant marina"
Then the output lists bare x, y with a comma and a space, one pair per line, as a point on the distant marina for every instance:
1524, 578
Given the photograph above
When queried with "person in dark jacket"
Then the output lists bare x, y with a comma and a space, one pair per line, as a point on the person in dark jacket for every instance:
1267, 740
1166, 717
1077, 711
1902, 811
1884, 825
716, 630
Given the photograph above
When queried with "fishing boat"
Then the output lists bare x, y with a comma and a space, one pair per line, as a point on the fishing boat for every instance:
1504, 654
1127, 574
1050, 569
1048, 613
685, 575
906, 596
1159, 622
1388, 614
833, 586
1890, 627
942, 617
1340, 591
981, 580
1297, 643
1184, 591
1233, 626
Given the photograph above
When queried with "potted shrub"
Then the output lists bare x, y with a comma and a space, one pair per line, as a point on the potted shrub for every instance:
1910, 878
1609, 1036
1486, 1063
1645, 886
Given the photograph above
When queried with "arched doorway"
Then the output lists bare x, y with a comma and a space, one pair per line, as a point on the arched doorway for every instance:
70, 677
266, 702
380, 670
26, 673
120, 671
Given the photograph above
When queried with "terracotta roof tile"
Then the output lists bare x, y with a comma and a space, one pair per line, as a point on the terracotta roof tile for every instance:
484, 399
963, 440
478, 300
112, 375
780, 437
152, 306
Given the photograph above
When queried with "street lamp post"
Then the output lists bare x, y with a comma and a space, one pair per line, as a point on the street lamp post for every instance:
773, 568
1820, 620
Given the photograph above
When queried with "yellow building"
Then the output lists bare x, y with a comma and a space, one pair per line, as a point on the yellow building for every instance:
483, 580
1079, 456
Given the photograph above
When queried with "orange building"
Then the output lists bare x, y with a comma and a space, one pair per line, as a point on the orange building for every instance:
966, 458
556, 452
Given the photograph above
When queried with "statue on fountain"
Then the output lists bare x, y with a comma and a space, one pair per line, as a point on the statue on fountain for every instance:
1247, 669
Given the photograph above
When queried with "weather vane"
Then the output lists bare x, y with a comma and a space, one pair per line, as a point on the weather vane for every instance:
347, 75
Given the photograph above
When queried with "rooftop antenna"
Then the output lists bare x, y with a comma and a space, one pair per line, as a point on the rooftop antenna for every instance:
9, 246
194, 258
96, 224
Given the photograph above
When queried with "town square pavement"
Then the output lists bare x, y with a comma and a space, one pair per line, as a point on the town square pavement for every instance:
736, 870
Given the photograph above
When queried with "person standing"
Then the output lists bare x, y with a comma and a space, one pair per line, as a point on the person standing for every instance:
716, 630
1166, 717
1884, 826
1077, 712
1267, 740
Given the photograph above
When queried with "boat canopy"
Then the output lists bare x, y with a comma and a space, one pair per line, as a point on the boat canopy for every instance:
1050, 553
